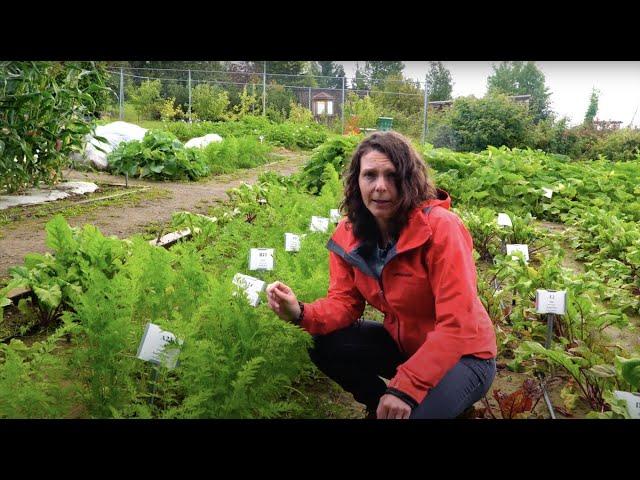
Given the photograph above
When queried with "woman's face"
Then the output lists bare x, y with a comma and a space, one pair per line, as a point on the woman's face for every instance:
377, 181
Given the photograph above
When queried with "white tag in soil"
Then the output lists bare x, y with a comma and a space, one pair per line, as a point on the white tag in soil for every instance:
319, 224
251, 286
504, 220
518, 247
334, 215
633, 402
152, 346
547, 192
291, 242
551, 301
261, 259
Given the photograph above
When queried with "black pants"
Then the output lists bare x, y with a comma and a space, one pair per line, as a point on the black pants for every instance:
355, 357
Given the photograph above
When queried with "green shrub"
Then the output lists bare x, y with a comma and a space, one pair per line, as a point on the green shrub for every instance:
46, 109
158, 156
209, 103
337, 151
299, 114
493, 120
146, 99
234, 153
365, 111
619, 145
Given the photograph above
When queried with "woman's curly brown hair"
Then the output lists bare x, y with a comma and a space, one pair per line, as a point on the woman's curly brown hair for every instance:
412, 182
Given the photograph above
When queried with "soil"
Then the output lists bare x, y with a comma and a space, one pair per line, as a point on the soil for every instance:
28, 235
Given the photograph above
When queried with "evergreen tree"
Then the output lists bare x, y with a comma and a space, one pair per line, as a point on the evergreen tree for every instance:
520, 78
439, 84
592, 110
379, 71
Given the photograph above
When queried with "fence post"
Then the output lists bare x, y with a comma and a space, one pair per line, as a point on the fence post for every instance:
264, 89
189, 95
342, 109
309, 98
426, 107
121, 94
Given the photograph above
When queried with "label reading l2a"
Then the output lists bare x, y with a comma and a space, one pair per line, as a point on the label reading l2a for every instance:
152, 347
291, 242
504, 220
633, 402
251, 287
319, 224
334, 215
518, 247
550, 301
261, 259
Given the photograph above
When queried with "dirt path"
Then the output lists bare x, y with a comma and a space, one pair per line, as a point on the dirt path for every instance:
28, 235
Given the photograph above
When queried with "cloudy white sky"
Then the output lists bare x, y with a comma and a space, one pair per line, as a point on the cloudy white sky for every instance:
569, 82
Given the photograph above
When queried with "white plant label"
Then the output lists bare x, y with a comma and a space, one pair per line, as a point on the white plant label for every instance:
633, 402
551, 301
152, 347
262, 201
261, 259
547, 192
319, 224
334, 215
251, 286
504, 220
291, 242
518, 247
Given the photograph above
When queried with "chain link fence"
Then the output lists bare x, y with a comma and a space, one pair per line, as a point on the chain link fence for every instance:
344, 104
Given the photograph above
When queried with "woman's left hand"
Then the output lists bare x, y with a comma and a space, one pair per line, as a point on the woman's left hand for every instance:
391, 407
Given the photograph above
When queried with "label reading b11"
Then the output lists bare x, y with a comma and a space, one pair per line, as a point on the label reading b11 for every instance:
261, 259
504, 220
319, 224
152, 347
551, 301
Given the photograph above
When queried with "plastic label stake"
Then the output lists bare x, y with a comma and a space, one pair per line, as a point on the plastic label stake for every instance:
518, 247
547, 192
334, 215
251, 287
153, 349
633, 402
504, 220
551, 301
261, 259
291, 242
319, 224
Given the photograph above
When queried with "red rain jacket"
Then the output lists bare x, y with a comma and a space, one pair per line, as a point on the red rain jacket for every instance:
427, 292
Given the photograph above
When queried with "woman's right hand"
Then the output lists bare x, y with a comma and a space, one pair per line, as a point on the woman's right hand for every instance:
283, 301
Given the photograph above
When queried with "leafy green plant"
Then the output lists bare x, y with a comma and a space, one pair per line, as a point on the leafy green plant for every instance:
46, 109
158, 156
335, 151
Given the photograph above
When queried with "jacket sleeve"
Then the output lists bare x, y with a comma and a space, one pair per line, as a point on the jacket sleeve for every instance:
343, 304
452, 275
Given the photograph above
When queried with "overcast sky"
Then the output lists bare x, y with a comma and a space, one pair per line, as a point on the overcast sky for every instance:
570, 85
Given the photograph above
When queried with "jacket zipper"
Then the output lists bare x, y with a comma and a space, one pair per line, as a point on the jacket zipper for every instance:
385, 301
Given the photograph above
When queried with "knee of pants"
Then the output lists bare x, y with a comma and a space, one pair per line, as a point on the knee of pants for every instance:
325, 349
